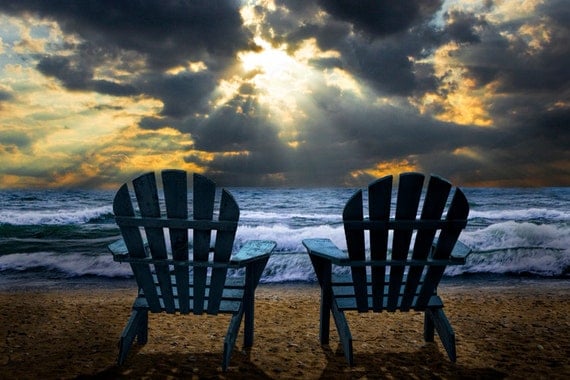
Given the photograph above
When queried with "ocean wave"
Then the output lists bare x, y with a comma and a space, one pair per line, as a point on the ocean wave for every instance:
517, 261
261, 216
55, 234
289, 268
70, 265
290, 239
59, 216
59, 235
293, 267
522, 214
517, 234
517, 248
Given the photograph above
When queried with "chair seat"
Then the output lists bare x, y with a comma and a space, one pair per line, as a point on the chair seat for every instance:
344, 294
231, 301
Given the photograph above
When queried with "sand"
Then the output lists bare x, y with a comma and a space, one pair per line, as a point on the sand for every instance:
515, 330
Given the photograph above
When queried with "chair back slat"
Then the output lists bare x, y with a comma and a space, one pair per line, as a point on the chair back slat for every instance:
175, 184
203, 206
409, 193
379, 197
434, 203
122, 206
147, 196
229, 211
355, 245
458, 210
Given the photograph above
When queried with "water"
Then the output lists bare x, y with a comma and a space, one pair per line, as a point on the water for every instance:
62, 235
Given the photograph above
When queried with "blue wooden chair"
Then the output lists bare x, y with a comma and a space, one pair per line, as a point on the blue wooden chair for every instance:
176, 274
401, 263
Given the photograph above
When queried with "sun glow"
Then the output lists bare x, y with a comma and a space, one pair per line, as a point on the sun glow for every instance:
284, 78
281, 82
275, 72
284, 82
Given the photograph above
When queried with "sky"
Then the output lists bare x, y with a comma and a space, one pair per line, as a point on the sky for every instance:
284, 93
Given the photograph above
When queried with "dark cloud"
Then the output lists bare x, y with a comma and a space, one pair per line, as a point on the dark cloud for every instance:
391, 34
529, 72
386, 66
556, 10
5, 96
183, 94
161, 34
506, 56
462, 27
14, 138
78, 75
168, 33
386, 46
74, 77
101, 107
241, 129
228, 131
381, 18
344, 137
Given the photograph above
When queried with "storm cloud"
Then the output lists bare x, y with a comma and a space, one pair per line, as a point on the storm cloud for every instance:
478, 94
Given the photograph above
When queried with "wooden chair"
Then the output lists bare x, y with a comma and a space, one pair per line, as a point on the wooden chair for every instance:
400, 266
175, 275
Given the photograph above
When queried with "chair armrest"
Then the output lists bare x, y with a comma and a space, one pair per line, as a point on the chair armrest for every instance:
253, 250
326, 249
119, 250
460, 252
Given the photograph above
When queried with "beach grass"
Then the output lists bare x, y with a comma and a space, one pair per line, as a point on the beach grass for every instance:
516, 330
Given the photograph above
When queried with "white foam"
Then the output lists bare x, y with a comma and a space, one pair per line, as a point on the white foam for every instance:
60, 216
289, 239
535, 261
514, 234
522, 214
70, 264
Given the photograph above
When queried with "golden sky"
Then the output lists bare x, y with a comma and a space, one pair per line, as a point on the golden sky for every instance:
284, 93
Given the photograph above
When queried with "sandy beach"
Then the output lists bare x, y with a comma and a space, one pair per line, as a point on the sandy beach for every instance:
504, 330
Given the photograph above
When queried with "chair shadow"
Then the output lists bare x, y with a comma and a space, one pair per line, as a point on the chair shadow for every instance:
426, 363
141, 364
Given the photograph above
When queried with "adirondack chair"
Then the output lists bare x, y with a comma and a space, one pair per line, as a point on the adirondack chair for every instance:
387, 271
175, 275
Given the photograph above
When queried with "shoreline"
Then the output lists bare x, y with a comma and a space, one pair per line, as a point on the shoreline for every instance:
33, 281
509, 329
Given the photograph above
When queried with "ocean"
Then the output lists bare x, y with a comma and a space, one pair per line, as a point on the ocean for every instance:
59, 236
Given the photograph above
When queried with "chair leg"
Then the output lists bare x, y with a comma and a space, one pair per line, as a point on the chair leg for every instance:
325, 317
248, 306
253, 274
429, 328
323, 269
137, 326
444, 330
142, 334
248, 327
230, 339
343, 333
